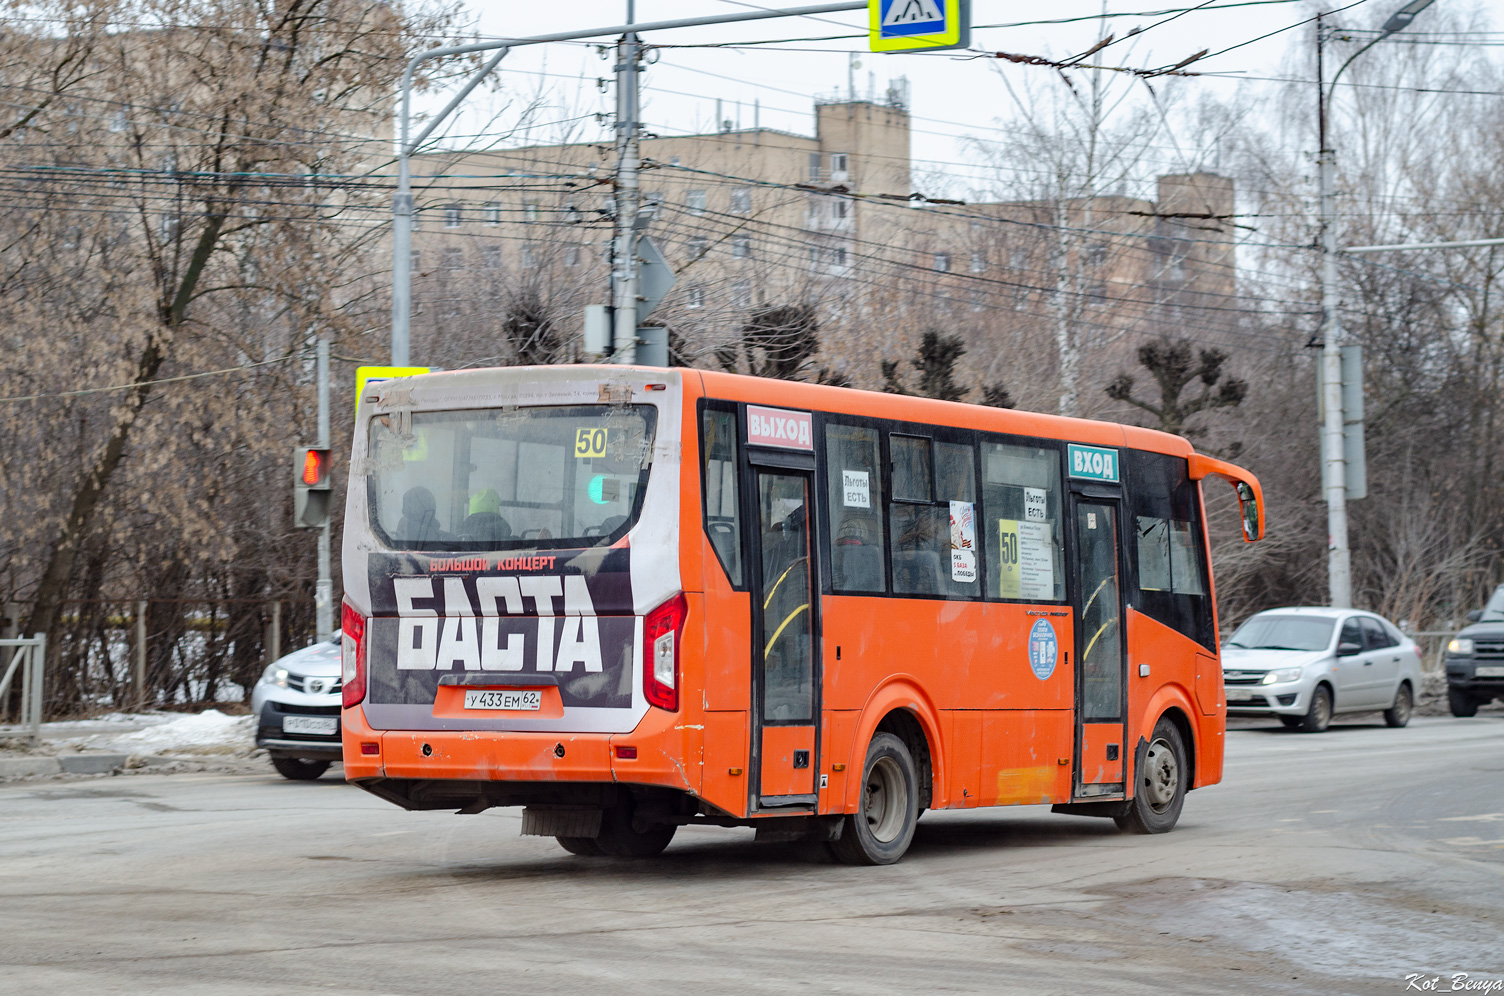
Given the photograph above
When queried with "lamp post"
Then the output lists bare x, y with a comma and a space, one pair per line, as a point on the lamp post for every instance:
1329, 380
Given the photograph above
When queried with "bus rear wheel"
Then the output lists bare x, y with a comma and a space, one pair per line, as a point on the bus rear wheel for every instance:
618, 838
585, 847
1160, 793
882, 828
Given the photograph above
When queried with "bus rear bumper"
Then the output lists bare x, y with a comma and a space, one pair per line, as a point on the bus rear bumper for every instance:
646, 757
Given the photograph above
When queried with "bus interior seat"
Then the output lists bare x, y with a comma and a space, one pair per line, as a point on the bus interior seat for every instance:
487, 527
858, 567
917, 572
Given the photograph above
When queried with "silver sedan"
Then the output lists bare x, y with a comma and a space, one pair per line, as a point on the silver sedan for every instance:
1305, 665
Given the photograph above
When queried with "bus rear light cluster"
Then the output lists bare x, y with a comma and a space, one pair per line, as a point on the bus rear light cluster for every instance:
662, 632
353, 656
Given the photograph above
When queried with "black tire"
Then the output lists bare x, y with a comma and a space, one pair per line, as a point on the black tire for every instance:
1319, 716
585, 847
300, 769
1162, 774
619, 840
1398, 714
1290, 722
883, 827
1461, 703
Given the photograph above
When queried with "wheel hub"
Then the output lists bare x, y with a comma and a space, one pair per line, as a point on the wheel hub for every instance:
1161, 776
884, 803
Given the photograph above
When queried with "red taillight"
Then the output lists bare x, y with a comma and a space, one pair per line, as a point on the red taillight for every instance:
662, 632
353, 656
626, 753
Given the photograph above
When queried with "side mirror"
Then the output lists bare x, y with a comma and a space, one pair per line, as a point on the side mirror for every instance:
1348, 649
1253, 521
1475, 615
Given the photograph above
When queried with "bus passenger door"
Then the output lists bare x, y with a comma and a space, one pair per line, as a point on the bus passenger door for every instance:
1101, 753
785, 628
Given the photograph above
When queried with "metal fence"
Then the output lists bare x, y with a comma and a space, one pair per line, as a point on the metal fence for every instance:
27, 657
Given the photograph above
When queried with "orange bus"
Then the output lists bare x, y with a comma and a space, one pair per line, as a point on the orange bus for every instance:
632, 599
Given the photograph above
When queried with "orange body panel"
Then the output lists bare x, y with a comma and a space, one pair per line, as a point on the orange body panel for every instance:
1022, 751
1174, 663
836, 747
727, 746
964, 749
1096, 738
779, 776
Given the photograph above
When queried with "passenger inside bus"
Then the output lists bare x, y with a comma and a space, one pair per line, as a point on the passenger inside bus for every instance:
419, 522
485, 523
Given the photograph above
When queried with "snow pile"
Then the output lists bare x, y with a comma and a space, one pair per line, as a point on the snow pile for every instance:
208, 732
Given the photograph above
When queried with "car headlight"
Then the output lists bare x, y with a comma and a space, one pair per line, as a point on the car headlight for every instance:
1283, 674
274, 675
1462, 646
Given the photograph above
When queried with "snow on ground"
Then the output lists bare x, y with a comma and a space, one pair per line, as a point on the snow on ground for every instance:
208, 732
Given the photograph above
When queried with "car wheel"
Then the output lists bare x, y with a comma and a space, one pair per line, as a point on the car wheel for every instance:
1160, 793
585, 847
1319, 716
1461, 703
1290, 722
299, 769
882, 828
1404, 703
619, 839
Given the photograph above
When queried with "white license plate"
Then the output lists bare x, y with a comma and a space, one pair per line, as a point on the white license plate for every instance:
1489, 671
531, 699
323, 725
1240, 695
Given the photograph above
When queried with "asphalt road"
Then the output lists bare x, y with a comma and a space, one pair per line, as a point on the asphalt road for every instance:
1336, 863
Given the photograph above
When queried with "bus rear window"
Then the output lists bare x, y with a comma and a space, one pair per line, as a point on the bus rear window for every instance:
509, 478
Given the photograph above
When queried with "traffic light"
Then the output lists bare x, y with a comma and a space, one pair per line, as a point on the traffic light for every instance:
310, 492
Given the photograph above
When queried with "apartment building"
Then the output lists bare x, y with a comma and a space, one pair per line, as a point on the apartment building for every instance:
757, 218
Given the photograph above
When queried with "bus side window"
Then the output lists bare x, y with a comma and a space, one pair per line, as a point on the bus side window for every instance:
1169, 548
718, 449
855, 489
1022, 523
933, 535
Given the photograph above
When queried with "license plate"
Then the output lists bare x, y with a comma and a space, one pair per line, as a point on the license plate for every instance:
322, 725
1489, 671
527, 700
1240, 695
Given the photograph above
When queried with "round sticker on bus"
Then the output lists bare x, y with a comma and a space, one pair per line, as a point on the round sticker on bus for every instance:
1043, 649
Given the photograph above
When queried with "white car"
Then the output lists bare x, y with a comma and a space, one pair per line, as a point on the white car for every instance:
1304, 665
297, 703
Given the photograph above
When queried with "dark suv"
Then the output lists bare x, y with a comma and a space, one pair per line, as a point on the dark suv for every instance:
1475, 659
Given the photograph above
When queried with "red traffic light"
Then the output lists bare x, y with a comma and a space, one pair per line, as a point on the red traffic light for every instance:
315, 467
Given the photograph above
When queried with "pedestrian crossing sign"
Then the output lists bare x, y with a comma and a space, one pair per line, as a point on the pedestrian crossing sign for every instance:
919, 25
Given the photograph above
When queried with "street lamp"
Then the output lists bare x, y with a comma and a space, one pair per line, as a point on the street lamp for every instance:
1329, 381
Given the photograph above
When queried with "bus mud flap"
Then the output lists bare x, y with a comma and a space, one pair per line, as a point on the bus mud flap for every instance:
551, 822
1108, 809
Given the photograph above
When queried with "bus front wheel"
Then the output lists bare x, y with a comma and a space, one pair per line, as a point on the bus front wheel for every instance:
1160, 793
882, 828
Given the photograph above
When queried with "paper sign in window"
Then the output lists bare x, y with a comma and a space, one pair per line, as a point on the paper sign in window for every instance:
963, 542
854, 490
1035, 503
1025, 560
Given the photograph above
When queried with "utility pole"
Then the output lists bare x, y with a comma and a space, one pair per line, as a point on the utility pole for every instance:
323, 592
1329, 379
628, 199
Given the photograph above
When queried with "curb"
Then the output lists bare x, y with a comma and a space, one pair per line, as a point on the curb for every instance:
20, 767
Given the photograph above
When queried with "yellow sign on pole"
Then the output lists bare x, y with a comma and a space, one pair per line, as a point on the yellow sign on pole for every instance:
364, 375
918, 25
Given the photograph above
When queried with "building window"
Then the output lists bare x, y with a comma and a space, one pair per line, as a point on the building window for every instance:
942, 262
838, 258
741, 200
741, 294
694, 297
414, 261
529, 256
491, 211
814, 167
453, 215
698, 246
694, 202
978, 262
814, 258
741, 246
652, 204
117, 121
529, 211
978, 300
839, 165
572, 256
673, 161
172, 226
490, 257
1096, 255
839, 208
454, 259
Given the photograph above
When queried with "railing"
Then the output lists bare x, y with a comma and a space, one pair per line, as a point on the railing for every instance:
29, 658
